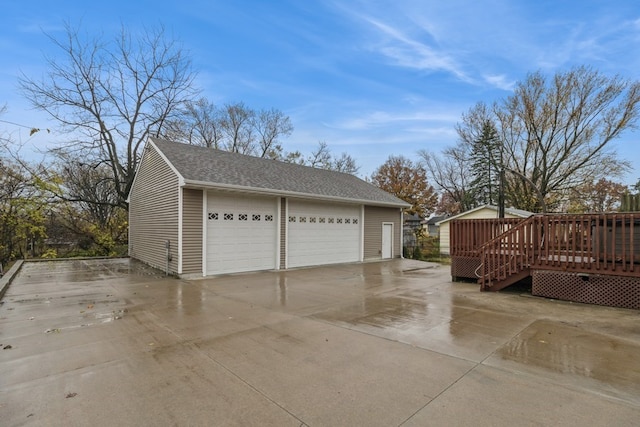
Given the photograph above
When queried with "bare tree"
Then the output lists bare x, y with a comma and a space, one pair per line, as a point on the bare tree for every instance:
345, 163
240, 129
110, 96
234, 127
88, 187
237, 125
556, 133
321, 157
4, 139
87, 205
271, 125
199, 123
450, 174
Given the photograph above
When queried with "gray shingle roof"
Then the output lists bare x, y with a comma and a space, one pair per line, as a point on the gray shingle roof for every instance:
210, 167
434, 220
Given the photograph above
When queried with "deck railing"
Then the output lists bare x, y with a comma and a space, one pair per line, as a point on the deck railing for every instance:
586, 243
467, 236
608, 243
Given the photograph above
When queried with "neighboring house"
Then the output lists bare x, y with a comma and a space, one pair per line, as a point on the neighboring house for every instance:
486, 211
432, 227
196, 211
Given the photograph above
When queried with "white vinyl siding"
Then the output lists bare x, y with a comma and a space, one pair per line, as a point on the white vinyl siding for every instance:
153, 212
191, 231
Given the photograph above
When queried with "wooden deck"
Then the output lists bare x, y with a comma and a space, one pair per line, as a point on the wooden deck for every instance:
506, 250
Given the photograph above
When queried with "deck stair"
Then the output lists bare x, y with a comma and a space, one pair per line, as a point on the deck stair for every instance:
507, 258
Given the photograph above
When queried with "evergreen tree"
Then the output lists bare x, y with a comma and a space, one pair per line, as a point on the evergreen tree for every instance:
486, 165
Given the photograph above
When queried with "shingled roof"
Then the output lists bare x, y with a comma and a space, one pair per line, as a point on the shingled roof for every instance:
211, 168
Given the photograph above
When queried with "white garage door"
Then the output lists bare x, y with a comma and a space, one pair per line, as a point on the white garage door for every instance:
322, 234
241, 233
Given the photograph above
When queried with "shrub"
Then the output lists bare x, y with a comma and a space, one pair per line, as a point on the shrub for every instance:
417, 253
50, 253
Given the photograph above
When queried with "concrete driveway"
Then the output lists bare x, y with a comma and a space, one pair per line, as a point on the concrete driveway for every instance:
111, 342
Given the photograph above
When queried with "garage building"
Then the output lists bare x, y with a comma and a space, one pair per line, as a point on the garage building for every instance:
196, 211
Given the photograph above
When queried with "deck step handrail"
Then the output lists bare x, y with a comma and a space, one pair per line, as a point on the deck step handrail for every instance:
508, 253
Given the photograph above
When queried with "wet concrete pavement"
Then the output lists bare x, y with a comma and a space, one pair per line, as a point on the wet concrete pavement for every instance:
111, 342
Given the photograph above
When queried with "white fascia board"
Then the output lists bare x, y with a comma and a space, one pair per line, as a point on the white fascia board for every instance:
361, 233
144, 153
401, 233
286, 233
205, 224
451, 218
173, 168
494, 208
279, 215
180, 220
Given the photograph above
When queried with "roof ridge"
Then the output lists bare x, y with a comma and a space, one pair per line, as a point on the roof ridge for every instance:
256, 158
219, 168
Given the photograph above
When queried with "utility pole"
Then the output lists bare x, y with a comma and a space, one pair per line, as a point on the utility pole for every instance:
501, 194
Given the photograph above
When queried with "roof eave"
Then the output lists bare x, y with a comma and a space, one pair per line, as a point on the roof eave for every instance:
461, 214
150, 143
271, 192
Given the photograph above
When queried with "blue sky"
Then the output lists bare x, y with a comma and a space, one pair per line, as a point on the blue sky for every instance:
371, 78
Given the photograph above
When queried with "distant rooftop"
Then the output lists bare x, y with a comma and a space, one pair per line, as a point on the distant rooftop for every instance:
512, 211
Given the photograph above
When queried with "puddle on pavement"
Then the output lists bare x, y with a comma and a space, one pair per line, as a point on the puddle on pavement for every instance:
378, 311
422, 310
87, 270
572, 350
392, 312
110, 316
100, 318
401, 315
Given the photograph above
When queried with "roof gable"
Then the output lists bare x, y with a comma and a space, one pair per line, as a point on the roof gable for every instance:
207, 167
435, 220
511, 211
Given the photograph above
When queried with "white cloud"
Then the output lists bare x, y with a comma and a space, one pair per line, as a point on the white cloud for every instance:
500, 81
382, 119
408, 52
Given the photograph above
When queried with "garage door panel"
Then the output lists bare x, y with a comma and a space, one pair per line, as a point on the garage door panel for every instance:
241, 233
322, 234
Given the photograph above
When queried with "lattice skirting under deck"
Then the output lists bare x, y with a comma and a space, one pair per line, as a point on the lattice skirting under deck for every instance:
464, 267
612, 291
